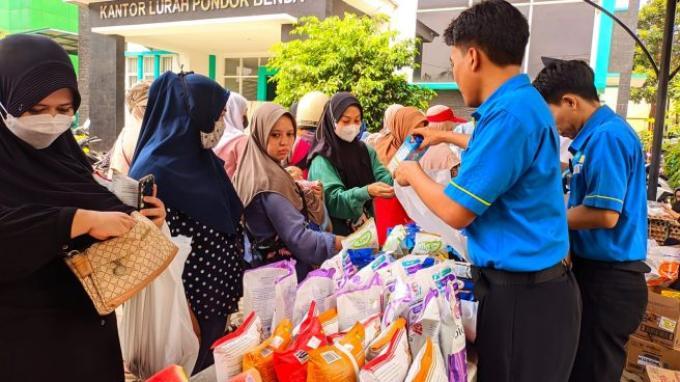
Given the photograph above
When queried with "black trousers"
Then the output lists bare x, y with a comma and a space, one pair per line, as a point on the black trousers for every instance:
528, 333
614, 302
211, 330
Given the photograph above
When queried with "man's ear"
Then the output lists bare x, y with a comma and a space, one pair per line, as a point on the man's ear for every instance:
571, 101
474, 57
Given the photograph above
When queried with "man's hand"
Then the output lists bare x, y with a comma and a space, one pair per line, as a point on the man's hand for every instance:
406, 168
431, 137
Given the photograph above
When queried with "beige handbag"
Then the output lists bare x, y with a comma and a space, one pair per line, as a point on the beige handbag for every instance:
114, 270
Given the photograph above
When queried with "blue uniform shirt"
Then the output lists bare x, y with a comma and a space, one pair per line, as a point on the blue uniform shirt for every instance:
608, 172
510, 178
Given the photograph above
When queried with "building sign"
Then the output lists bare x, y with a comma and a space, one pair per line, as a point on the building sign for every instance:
129, 9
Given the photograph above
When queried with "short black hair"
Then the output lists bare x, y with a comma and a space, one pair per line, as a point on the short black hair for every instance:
562, 77
494, 26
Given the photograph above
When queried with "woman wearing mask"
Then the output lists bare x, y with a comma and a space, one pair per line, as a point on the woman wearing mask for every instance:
50, 205
349, 170
405, 120
277, 212
182, 126
233, 142
124, 148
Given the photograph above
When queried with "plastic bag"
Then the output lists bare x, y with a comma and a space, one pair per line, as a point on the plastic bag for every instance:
339, 362
262, 356
390, 357
319, 286
342, 264
356, 302
452, 335
156, 328
429, 222
429, 244
258, 294
364, 237
230, 349
251, 375
665, 264
428, 365
398, 303
291, 364
382, 260
285, 288
395, 242
329, 322
424, 322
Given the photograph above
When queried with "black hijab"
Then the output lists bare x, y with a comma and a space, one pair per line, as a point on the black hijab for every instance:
350, 159
32, 68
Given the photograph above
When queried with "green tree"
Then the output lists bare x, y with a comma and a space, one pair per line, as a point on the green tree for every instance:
650, 31
350, 54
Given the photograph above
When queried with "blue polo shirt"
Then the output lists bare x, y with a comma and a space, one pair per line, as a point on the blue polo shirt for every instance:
608, 172
510, 178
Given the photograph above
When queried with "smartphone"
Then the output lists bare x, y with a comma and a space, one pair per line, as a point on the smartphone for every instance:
145, 189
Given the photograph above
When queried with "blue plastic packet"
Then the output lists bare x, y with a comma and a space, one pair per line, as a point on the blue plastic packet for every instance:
361, 257
409, 151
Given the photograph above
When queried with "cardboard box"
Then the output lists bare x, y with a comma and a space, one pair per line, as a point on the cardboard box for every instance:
660, 323
642, 353
656, 374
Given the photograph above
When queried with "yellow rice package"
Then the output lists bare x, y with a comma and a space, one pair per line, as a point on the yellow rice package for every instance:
339, 362
428, 366
380, 345
329, 322
393, 362
250, 375
262, 357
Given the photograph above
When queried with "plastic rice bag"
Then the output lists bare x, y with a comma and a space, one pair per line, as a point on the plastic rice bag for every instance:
382, 342
230, 349
262, 356
398, 303
394, 358
364, 237
395, 242
319, 286
339, 362
285, 288
342, 264
381, 261
361, 257
258, 294
428, 365
357, 302
329, 322
291, 365
424, 322
371, 327
452, 335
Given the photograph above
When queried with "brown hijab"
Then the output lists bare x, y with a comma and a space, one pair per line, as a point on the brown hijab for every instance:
405, 120
257, 172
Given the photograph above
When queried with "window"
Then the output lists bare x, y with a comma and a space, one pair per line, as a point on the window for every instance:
167, 64
148, 68
240, 75
130, 72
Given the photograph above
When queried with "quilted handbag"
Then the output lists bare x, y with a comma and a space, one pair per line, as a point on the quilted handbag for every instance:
114, 270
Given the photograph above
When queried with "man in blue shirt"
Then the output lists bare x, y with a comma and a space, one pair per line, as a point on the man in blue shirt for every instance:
508, 197
607, 218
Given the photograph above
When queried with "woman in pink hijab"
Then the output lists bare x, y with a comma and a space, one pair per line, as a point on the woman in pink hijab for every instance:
233, 143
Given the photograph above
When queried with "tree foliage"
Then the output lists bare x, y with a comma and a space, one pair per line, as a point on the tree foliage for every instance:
650, 30
351, 54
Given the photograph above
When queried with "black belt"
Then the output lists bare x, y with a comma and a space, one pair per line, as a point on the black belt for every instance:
484, 277
627, 266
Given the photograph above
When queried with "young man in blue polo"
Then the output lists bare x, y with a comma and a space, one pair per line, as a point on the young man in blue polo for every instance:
508, 197
607, 218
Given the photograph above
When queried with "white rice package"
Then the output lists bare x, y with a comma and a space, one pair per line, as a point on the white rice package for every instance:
319, 286
397, 303
393, 362
381, 261
356, 302
258, 291
364, 237
381, 343
469, 313
230, 349
342, 264
428, 365
285, 288
428, 244
452, 335
424, 322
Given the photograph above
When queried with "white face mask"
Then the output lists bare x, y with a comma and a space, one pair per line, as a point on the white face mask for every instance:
347, 133
210, 140
39, 131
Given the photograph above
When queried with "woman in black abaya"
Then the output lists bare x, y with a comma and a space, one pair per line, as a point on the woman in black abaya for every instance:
49, 205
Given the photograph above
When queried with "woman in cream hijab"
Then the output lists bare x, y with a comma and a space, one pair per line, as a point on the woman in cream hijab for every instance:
124, 148
278, 214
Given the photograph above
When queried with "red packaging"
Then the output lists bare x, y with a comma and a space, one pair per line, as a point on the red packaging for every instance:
291, 364
388, 213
